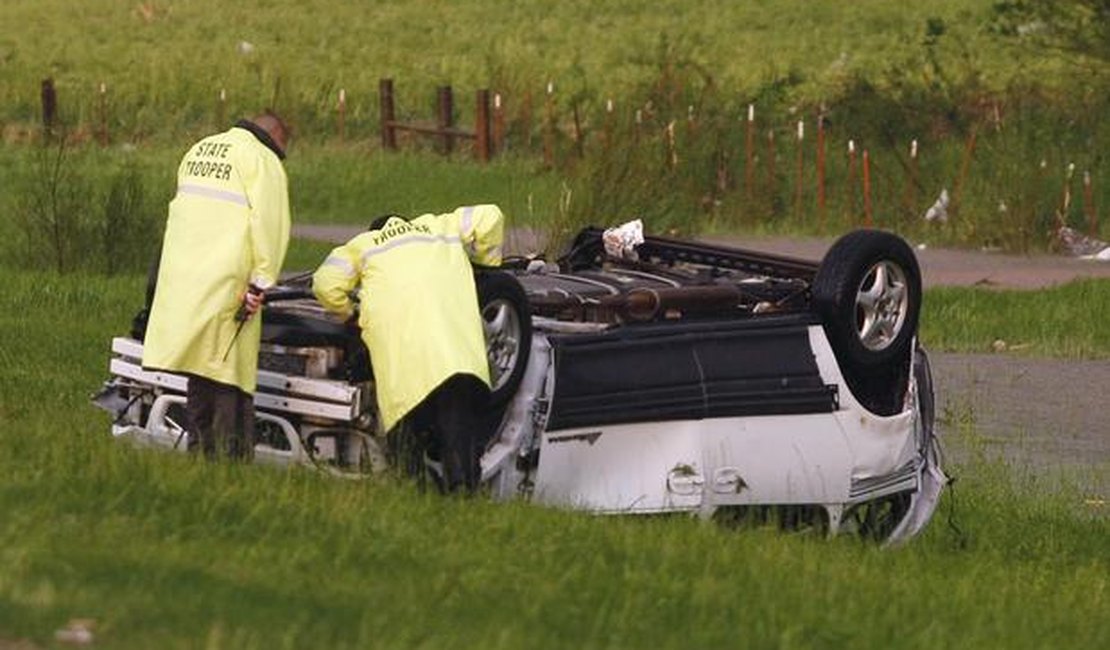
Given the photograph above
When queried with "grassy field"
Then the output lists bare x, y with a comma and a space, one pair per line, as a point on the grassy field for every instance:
998, 121
161, 551
1065, 322
164, 62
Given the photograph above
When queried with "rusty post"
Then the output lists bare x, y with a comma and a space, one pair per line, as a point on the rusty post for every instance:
965, 165
549, 128
481, 126
850, 182
672, 151
1065, 202
49, 106
910, 194
867, 221
1089, 205
749, 153
387, 116
102, 110
221, 108
445, 115
579, 137
771, 166
799, 172
341, 115
821, 209
607, 125
498, 143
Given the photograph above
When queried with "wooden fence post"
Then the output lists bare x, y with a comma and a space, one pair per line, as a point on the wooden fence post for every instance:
1089, 205
607, 125
771, 166
1065, 202
799, 171
579, 136
445, 111
910, 194
387, 115
965, 165
749, 153
341, 115
102, 110
481, 127
549, 128
49, 106
221, 108
672, 150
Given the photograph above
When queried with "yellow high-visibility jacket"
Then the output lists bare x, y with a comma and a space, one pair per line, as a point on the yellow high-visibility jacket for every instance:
418, 306
228, 226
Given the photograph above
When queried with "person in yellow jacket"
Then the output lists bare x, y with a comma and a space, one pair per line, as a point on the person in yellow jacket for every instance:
225, 240
419, 317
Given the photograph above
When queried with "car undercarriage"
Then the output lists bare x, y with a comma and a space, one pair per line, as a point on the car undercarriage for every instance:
676, 377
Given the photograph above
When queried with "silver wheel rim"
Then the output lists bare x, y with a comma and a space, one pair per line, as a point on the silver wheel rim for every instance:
882, 302
501, 326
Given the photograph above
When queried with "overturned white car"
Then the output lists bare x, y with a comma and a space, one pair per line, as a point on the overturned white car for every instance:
677, 377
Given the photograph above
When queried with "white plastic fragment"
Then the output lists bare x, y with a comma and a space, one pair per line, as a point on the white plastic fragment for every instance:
939, 210
621, 241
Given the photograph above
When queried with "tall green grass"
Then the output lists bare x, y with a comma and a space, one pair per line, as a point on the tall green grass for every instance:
998, 122
1068, 321
163, 551
164, 64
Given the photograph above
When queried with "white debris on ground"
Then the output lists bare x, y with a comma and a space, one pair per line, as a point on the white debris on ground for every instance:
621, 241
938, 211
1076, 243
78, 631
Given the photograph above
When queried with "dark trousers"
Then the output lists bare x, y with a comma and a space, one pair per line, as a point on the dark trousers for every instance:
221, 419
450, 423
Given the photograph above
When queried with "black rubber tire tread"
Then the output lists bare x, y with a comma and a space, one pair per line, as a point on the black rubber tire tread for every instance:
877, 377
495, 285
837, 283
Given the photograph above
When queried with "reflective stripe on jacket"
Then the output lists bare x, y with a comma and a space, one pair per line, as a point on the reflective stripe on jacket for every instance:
418, 302
228, 226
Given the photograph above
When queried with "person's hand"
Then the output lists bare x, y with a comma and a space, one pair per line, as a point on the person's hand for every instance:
250, 304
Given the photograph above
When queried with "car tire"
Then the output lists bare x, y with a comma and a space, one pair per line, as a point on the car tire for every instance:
867, 292
507, 326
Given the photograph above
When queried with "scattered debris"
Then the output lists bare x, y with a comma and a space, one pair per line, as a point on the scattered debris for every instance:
1076, 243
939, 210
621, 241
78, 631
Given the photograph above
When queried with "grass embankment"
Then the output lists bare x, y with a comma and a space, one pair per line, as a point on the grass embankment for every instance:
163, 552
1068, 321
